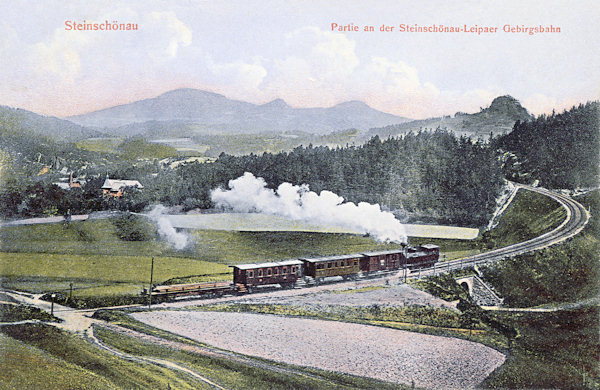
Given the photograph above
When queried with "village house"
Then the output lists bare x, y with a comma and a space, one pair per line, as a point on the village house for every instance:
72, 182
116, 188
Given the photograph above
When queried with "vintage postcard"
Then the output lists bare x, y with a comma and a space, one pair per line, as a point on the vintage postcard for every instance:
328, 194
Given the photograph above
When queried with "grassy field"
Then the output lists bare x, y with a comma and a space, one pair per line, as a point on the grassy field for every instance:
553, 350
249, 247
102, 145
36, 356
99, 238
91, 256
128, 148
15, 312
97, 275
529, 215
94, 237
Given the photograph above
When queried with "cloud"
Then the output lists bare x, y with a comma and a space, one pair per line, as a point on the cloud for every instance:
60, 56
166, 34
396, 86
541, 104
314, 69
8, 36
322, 68
240, 75
329, 54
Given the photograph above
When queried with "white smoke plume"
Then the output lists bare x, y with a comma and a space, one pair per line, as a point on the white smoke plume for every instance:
249, 194
166, 231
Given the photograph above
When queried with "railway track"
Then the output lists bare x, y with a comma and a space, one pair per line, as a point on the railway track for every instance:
577, 218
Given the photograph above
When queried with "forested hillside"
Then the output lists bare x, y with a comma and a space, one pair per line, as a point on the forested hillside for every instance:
428, 176
559, 150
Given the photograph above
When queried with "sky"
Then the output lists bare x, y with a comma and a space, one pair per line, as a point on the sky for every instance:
258, 51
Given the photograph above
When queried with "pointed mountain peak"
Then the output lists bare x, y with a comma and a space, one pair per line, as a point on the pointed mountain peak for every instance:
278, 103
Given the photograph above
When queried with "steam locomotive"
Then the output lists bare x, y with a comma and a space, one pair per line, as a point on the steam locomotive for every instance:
308, 271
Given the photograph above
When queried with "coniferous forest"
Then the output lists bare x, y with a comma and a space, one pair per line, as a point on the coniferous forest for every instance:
558, 150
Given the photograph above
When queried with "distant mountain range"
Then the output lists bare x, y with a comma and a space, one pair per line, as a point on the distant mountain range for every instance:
205, 111
16, 119
498, 118
190, 113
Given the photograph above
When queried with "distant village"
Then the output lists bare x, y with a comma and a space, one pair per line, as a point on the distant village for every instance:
111, 187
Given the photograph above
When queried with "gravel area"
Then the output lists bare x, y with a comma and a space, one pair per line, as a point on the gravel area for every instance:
392, 355
395, 293
399, 295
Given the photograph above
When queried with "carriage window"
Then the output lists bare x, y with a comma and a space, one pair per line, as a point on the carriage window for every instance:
275, 271
328, 265
355, 262
250, 274
260, 273
382, 262
268, 271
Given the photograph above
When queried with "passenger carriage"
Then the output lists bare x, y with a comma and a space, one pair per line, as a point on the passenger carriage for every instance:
345, 266
284, 273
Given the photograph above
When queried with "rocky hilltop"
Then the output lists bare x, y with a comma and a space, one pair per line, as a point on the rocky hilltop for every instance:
498, 118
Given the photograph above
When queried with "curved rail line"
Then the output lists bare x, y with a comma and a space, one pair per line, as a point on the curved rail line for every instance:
577, 218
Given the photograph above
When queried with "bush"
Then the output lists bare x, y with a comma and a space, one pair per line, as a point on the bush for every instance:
132, 227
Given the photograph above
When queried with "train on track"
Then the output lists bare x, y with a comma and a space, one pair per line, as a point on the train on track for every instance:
307, 271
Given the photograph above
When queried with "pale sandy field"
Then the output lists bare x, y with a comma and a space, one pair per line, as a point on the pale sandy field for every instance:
387, 354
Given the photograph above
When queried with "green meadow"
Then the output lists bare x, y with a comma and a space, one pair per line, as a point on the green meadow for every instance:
91, 256
37, 356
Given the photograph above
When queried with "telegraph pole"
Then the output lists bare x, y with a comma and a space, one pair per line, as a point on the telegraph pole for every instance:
52, 304
150, 288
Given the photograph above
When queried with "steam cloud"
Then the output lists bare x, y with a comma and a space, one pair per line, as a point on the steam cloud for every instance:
166, 231
249, 194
